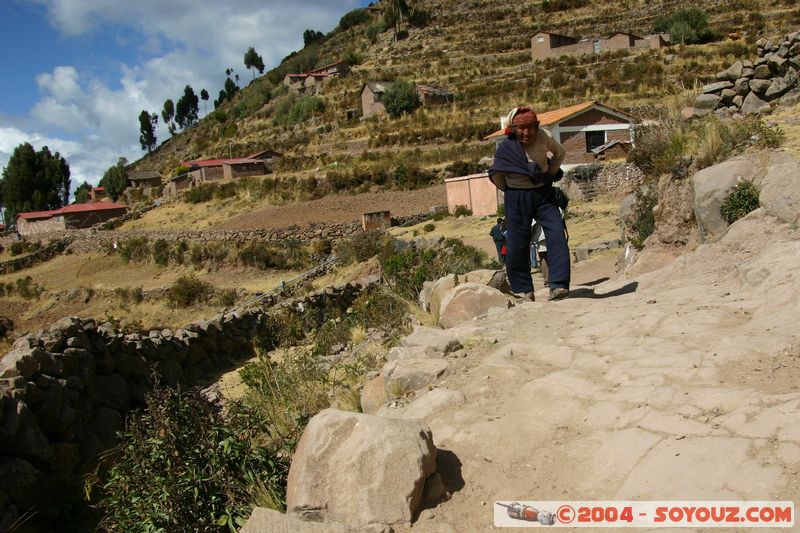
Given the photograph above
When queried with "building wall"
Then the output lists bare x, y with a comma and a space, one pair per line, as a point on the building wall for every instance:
141, 184
242, 170
592, 117
618, 151
575, 143
476, 192
379, 220
619, 42
90, 218
434, 99
553, 46
30, 228
369, 104
210, 174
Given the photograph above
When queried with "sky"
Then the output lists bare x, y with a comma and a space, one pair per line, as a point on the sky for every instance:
77, 73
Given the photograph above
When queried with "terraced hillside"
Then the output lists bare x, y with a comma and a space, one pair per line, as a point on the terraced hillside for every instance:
480, 50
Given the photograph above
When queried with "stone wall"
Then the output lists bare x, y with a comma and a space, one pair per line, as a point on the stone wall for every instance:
751, 87
33, 258
65, 391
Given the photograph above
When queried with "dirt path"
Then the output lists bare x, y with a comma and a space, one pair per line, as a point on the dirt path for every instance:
340, 208
679, 385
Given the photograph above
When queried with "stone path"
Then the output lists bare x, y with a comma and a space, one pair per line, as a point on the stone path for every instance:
682, 384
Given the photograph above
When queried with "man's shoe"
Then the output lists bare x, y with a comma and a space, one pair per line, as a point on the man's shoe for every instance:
525, 296
559, 293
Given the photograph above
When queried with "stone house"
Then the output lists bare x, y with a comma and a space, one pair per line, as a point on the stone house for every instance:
372, 96
97, 193
177, 184
377, 220
203, 170
270, 157
311, 82
475, 192
142, 179
582, 129
548, 44
74, 216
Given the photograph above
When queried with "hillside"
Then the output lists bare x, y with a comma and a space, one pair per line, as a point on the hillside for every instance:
481, 51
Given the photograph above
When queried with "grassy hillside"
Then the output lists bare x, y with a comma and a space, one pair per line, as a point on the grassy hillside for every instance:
480, 50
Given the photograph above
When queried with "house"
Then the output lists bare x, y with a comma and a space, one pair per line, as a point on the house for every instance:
142, 179
475, 192
311, 82
548, 44
372, 96
337, 69
295, 81
583, 128
74, 216
97, 193
377, 220
270, 157
203, 170
177, 184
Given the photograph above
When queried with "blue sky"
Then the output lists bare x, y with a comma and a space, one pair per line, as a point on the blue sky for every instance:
77, 73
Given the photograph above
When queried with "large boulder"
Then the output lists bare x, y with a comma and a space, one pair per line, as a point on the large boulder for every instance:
753, 104
742, 86
717, 86
439, 340
359, 469
706, 103
431, 403
468, 301
790, 98
780, 188
776, 89
433, 292
759, 86
732, 73
711, 187
413, 374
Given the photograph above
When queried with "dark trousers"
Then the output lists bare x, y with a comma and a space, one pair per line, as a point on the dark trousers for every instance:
522, 206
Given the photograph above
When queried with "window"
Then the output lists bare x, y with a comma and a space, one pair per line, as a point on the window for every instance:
596, 45
595, 139
540, 39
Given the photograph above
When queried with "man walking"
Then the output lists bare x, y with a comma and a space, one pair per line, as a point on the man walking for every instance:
523, 170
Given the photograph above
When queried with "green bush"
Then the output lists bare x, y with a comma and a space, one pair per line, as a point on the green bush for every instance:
742, 199
462, 210
658, 149
135, 249
16, 248
161, 252
353, 18
28, 289
429, 227
406, 271
642, 222
361, 247
180, 467
687, 26
401, 98
202, 193
187, 291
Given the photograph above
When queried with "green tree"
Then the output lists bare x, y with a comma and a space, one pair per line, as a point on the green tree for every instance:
353, 18
401, 98
168, 113
34, 181
187, 108
204, 97
115, 179
147, 132
687, 26
312, 36
253, 61
82, 193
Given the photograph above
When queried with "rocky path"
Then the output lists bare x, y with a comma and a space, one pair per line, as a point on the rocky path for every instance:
683, 384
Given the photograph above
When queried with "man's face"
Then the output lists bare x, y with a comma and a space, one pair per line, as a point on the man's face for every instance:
527, 133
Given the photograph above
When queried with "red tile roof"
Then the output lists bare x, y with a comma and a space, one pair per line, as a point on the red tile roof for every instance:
549, 118
72, 208
99, 189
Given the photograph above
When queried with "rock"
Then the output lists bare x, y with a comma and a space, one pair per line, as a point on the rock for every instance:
468, 301
711, 187
791, 77
22, 482
790, 98
20, 435
780, 188
435, 489
373, 394
433, 402
105, 424
776, 64
22, 362
263, 520
705, 104
583, 252
438, 289
762, 72
413, 352
717, 87
776, 89
732, 73
748, 73
687, 113
794, 50
112, 390
760, 86
738, 100
742, 86
746, 64
727, 95
752, 104
360, 469
408, 375
439, 340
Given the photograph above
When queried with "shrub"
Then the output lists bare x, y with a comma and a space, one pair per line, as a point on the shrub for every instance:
401, 98
181, 467
584, 172
742, 199
642, 222
187, 291
361, 247
202, 193
429, 227
227, 297
464, 168
129, 294
353, 18
462, 210
28, 289
135, 249
657, 149
16, 248
161, 252
687, 26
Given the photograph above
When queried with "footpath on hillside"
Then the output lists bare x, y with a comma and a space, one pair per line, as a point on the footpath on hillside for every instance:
678, 385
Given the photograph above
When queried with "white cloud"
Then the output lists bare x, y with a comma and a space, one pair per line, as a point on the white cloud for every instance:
93, 122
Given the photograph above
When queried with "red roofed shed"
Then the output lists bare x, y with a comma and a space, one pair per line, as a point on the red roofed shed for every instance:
74, 216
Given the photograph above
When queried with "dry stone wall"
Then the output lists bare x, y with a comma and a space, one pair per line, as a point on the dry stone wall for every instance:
750, 87
43, 254
65, 391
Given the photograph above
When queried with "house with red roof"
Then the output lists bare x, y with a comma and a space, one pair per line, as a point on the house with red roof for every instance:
309, 82
548, 44
586, 130
97, 193
74, 216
